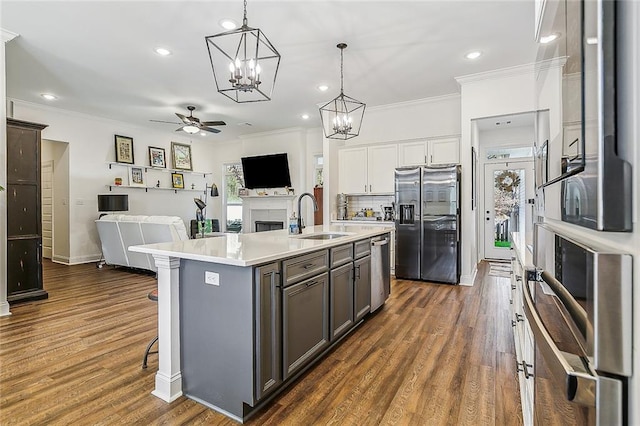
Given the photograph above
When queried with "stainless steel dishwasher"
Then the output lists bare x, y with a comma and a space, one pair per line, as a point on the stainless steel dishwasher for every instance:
380, 271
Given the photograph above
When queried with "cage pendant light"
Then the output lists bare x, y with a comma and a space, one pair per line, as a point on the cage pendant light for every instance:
244, 62
342, 117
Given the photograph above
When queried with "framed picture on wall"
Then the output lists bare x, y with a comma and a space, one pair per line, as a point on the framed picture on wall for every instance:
157, 157
181, 155
136, 176
177, 180
124, 149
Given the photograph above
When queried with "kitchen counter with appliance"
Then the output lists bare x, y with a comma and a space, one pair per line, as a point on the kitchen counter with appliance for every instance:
258, 247
387, 224
363, 221
243, 315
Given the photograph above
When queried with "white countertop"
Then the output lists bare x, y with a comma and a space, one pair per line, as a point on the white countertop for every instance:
523, 251
364, 222
257, 247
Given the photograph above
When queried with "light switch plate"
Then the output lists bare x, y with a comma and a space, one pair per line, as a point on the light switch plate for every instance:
212, 278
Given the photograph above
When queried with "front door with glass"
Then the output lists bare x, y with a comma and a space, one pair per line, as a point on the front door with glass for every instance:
508, 186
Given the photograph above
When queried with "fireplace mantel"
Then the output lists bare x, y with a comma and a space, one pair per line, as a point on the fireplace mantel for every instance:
265, 208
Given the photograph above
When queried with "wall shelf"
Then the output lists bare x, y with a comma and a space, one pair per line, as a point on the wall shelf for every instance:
155, 188
158, 169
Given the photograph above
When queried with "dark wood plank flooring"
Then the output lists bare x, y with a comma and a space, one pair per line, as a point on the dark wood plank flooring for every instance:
434, 355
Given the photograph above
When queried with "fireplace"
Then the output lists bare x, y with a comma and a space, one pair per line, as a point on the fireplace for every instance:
268, 225
271, 211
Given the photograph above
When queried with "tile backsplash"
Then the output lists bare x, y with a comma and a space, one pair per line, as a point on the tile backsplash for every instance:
358, 202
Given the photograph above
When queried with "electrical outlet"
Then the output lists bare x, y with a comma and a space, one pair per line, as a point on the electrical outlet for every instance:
212, 278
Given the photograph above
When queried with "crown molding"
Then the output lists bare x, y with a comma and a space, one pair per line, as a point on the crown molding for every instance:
272, 133
512, 71
7, 35
416, 102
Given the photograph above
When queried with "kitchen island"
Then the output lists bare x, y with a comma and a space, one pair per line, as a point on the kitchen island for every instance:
240, 316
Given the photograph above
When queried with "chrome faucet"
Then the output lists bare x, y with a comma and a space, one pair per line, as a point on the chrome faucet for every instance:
315, 208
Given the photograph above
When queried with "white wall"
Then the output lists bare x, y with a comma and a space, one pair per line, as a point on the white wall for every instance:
431, 117
4, 306
500, 92
514, 136
91, 146
299, 144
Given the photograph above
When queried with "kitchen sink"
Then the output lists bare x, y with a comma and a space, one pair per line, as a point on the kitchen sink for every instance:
322, 236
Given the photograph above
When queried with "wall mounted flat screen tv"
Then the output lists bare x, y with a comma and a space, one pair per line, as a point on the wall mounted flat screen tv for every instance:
266, 171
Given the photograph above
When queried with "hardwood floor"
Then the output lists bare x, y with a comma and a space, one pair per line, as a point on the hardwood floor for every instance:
433, 355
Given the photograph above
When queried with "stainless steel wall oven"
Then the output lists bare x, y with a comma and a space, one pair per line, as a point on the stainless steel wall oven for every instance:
596, 182
579, 306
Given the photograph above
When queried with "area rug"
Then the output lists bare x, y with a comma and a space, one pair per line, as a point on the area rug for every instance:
499, 269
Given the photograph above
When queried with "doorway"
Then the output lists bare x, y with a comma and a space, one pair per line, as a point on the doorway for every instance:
46, 176
54, 165
507, 188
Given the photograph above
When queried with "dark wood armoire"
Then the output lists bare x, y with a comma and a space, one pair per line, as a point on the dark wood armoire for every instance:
24, 215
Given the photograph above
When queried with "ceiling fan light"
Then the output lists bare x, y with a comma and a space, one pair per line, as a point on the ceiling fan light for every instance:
191, 129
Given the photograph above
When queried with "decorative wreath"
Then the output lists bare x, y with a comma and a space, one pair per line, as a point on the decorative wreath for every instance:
507, 181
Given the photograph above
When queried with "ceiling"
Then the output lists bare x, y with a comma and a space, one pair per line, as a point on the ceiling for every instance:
98, 57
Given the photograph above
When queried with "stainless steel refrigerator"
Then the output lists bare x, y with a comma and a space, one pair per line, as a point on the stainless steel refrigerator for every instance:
428, 223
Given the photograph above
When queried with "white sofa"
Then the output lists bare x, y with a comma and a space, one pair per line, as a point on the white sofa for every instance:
119, 231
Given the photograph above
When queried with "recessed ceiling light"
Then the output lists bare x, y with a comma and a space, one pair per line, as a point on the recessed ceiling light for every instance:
323, 88
473, 55
203, 134
305, 116
548, 38
228, 24
49, 96
162, 51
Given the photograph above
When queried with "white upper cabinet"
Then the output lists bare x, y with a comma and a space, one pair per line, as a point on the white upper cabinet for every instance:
352, 169
431, 152
444, 151
381, 166
367, 170
413, 154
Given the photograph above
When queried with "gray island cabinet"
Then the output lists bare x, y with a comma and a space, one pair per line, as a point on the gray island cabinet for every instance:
233, 333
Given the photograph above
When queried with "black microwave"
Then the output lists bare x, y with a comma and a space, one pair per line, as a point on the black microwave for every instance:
584, 155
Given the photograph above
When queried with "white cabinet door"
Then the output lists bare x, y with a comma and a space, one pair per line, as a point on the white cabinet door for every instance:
444, 151
381, 164
352, 169
412, 154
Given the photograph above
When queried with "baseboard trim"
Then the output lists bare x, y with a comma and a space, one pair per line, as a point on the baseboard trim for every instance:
65, 260
4, 309
468, 280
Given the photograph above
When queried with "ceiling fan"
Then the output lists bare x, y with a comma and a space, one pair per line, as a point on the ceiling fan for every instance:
193, 124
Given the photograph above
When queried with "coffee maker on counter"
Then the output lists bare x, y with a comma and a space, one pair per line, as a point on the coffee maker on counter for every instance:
387, 213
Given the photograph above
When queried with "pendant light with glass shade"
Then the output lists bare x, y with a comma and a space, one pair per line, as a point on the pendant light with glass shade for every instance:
342, 117
244, 62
